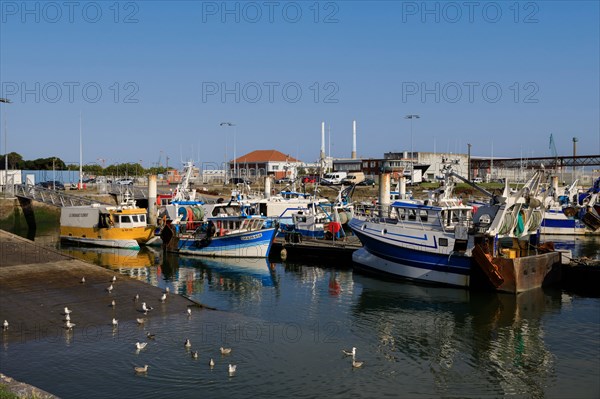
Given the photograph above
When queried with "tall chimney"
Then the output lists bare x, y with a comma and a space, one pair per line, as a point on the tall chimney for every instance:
353, 156
322, 141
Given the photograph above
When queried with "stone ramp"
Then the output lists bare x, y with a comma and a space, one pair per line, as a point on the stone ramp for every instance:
36, 283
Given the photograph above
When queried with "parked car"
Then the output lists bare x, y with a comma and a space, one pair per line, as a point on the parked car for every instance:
285, 180
124, 182
52, 184
367, 182
239, 180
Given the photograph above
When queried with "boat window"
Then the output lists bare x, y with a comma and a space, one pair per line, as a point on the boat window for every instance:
134, 218
143, 218
443, 242
125, 219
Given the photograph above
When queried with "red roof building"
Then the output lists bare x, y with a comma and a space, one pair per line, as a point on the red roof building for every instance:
263, 162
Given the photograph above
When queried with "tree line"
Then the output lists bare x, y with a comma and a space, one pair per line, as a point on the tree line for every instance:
16, 161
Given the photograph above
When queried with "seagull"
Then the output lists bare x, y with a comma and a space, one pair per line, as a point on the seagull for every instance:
136, 297
195, 355
232, 368
110, 288
114, 278
187, 343
115, 322
140, 321
163, 298
211, 363
189, 312
138, 369
139, 346
113, 303
145, 308
67, 317
5, 325
83, 280
150, 336
67, 311
356, 364
350, 353
225, 351
69, 325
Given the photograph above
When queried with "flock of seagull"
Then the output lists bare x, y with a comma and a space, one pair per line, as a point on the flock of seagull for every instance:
140, 321
187, 344
195, 355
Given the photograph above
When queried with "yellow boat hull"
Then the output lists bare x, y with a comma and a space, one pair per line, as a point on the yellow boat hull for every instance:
115, 237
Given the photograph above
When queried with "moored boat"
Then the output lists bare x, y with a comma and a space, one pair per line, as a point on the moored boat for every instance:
434, 240
218, 230
122, 226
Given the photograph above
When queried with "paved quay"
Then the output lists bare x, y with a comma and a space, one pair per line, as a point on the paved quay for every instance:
36, 283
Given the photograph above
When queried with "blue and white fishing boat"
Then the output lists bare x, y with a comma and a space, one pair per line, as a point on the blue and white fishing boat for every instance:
571, 213
221, 230
437, 240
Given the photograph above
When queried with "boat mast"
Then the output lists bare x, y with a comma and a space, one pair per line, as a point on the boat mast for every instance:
80, 154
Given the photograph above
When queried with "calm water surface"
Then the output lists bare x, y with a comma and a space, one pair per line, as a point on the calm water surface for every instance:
287, 324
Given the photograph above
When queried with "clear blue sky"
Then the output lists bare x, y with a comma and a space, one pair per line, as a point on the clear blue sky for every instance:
366, 60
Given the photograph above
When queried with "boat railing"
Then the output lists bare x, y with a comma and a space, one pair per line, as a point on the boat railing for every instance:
413, 218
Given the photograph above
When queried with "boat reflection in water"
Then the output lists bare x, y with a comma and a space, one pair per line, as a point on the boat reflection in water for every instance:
132, 262
492, 343
206, 279
258, 269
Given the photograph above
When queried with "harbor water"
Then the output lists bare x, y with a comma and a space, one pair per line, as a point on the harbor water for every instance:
287, 324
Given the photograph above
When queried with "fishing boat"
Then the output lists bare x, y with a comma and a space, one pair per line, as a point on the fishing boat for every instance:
320, 220
222, 230
571, 213
443, 241
123, 226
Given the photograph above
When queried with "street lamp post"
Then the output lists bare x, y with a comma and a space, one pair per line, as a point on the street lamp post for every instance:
5, 101
230, 124
411, 117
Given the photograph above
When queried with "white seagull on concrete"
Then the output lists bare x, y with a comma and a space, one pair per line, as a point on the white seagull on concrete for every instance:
83, 280
115, 322
5, 325
69, 325
163, 298
110, 288
189, 312
145, 308
67, 311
